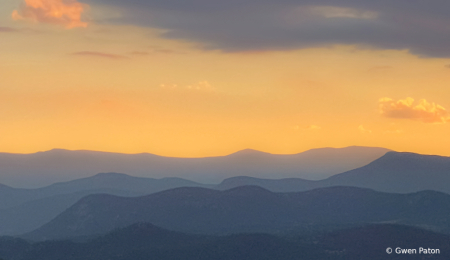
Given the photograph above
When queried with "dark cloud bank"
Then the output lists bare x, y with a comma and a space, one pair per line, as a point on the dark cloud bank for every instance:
422, 27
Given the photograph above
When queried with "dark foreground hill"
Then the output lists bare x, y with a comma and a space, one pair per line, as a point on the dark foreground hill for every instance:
394, 172
248, 209
371, 242
145, 241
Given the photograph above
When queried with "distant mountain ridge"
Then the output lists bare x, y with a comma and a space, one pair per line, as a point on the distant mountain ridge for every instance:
248, 209
43, 168
11, 197
23, 210
394, 172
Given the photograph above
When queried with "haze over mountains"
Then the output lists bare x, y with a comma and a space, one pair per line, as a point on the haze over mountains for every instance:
394, 172
248, 209
44, 168
400, 188
23, 210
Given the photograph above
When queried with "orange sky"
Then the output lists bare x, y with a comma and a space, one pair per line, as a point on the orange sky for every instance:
69, 81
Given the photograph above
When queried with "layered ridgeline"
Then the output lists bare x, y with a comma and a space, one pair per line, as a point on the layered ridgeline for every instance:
44, 168
248, 209
142, 240
23, 210
394, 172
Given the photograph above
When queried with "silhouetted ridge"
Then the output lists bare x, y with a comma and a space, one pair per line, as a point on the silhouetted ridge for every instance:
2, 186
248, 152
185, 191
39, 169
336, 190
111, 175
144, 240
405, 160
398, 172
248, 209
370, 242
245, 190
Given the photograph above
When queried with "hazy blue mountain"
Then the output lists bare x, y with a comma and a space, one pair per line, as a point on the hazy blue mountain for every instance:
11, 197
279, 185
43, 168
145, 241
23, 210
33, 214
394, 172
248, 209
399, 172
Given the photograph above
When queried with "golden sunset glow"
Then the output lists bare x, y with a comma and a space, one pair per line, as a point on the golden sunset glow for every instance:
124, 87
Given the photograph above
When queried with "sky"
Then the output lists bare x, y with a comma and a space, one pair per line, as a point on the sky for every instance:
198, 78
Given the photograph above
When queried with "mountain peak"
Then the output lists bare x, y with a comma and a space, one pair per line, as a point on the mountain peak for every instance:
248, 152
247, 190
413, 158
111, 175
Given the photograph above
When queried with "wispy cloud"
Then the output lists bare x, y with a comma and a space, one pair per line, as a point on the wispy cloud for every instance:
199, 86
379, 68
139, 53
428, 112
364, 130
397, 131
8, 30
100, 55
62, 12
310, 127
341, 12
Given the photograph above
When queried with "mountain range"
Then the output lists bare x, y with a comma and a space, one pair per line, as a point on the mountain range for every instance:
23, 210
248, 209
145, 241
394, 172
44, 168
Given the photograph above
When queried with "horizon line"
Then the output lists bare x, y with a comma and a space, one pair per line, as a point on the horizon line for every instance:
228, 154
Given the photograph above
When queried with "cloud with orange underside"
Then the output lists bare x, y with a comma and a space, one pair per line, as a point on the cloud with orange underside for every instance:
424, 111
62, 12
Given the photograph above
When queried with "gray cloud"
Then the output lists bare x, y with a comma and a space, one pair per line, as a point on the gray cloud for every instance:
423, 27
